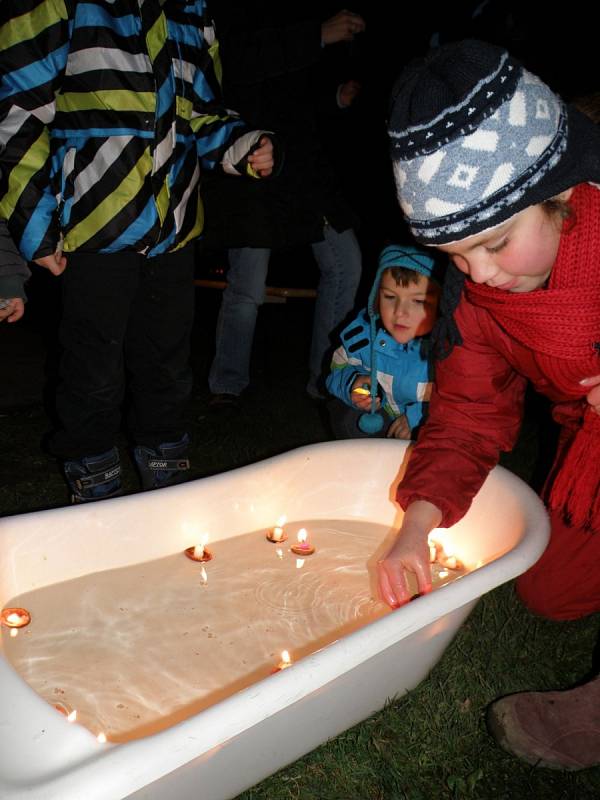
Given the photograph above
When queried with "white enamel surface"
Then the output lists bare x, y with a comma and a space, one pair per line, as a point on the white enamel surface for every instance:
239, 741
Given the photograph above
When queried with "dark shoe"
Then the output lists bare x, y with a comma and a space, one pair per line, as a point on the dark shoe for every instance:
224, 402
164, 465
559, 730
94, 477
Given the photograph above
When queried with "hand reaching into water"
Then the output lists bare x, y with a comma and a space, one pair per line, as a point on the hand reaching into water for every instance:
409, 552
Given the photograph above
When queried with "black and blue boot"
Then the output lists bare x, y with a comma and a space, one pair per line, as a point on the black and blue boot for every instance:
164, 465
94, 477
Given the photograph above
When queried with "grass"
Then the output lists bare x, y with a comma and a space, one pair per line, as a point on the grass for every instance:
431, 743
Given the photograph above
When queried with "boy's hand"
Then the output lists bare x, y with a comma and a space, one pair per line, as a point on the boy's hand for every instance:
361, 393
593, 396
342, 27
399, 429
56, 263
261, 160
13, 311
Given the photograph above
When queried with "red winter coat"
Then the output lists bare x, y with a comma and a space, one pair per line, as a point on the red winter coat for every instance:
477, 402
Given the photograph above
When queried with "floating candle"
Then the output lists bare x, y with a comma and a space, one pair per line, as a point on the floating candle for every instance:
15, 617
303, 546
277, 533
285, 662
199, 552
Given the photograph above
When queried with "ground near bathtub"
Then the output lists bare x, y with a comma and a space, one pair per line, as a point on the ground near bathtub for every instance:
430, 744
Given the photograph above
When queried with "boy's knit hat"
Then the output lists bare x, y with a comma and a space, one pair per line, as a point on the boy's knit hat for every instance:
475, 139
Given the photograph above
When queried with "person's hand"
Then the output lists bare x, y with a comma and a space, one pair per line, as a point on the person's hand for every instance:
13, 311
361, 393
261, 160
399, 429
409, 552
593, 396
347, 93
56, 263
342, 27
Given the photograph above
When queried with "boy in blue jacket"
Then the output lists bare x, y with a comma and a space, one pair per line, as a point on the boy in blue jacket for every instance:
390, 338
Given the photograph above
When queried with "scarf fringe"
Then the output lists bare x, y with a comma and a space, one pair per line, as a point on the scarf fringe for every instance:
575, 491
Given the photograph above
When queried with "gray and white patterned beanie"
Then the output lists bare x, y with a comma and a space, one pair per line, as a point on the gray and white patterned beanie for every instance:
475, 138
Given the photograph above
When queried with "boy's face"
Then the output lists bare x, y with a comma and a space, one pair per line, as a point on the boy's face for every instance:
517, 256
407, 311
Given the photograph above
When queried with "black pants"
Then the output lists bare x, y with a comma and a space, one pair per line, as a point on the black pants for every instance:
124, 317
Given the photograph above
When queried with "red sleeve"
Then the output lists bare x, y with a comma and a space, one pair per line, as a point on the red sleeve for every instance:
475, 412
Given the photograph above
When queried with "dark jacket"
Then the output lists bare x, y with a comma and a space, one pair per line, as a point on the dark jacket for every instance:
270, 54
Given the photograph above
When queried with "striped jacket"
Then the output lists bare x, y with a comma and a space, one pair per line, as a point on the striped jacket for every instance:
108, 111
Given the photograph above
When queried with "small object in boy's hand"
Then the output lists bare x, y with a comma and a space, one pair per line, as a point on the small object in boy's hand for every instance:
4, 303
361, 390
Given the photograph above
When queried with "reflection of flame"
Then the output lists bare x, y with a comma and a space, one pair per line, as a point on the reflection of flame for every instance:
299, 563
279, 552
72, 716
14, 632
203, 577
302, 535
101, 738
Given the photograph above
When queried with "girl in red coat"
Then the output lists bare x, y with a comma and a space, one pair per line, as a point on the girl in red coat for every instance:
492, 168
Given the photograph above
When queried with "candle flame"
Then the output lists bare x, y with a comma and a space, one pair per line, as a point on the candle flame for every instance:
286, 661
101, 738
199, 548
443, 573
281, 521
72, 716
13, 618
302, 535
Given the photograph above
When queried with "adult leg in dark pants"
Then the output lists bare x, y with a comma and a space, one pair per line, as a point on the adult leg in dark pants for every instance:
123, 315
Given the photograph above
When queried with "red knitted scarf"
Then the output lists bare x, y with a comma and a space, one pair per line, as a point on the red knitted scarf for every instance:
561, 324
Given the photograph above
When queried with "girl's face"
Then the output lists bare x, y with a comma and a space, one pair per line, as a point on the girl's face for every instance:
407, 311
517, 256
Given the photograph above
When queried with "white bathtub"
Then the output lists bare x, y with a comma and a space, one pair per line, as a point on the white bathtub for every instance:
236, 743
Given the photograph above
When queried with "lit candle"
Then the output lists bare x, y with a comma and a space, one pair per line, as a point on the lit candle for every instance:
303, 546
277, 533
72, 716
15, 617
101, 738
285, 662
199, 552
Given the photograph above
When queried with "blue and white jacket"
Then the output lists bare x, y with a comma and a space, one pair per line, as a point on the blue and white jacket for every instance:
404, 371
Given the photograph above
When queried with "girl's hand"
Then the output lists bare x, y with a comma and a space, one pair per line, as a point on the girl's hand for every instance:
409, 552
261, 160
13, 311
593, 396
361, 393
399, 429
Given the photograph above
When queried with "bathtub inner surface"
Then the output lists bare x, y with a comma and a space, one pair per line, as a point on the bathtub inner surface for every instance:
135, 649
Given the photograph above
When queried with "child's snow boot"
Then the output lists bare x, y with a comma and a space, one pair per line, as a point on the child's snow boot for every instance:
163, 465
94, 477
559, 730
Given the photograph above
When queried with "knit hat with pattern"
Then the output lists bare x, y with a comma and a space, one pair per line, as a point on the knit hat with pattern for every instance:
475, 139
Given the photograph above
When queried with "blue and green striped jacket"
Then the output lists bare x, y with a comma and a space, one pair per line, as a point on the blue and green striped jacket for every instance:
109, 109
